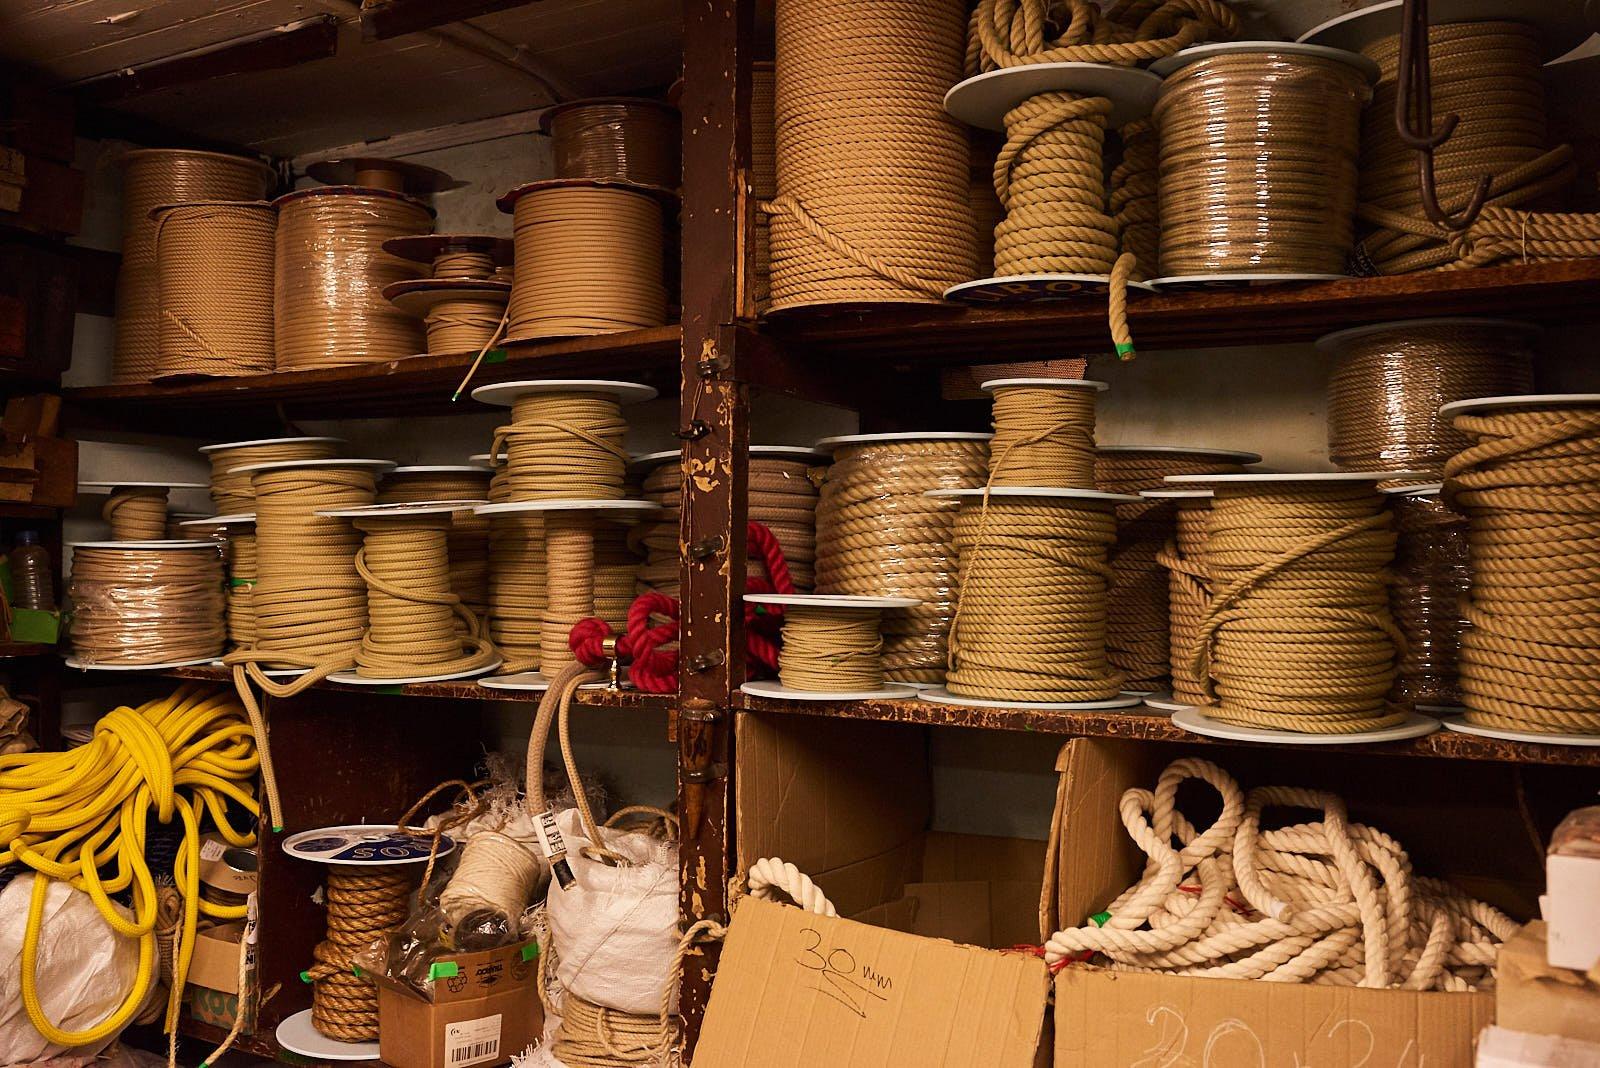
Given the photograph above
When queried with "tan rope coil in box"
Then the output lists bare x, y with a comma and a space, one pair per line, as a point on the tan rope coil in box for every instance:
242, 576
468, 541
877, 534
1431, 580
628, 139
831, 650
1258, 164
871, 171
152, 177
331, 271
214, 281
1530, 661
564, 445
136, 513
363, 904
232, 491
763, 175
589, 260
1188, 593
1044, 436
145, 605
1388, 385
1298, 635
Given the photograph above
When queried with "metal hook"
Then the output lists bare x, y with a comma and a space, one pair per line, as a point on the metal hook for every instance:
1413, 118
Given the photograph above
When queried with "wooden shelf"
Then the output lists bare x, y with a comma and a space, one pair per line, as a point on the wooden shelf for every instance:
9, 649
1150, 726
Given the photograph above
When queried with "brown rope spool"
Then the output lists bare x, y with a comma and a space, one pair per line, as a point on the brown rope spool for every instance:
455, 257
459, 314
153, 177
1390, 380
1258, 162
363, 904
1043, 432
331, 271
214, 279
629, 139
136, 513
1431, 580
1188, 587
146, 602
763, 175
468, 541
589, 259
232, 490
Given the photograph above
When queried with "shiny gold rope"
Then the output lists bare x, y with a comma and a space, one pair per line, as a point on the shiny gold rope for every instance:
629, 140
145, 606
835, 650
564, 445
1043, 436
231, 489
136, 513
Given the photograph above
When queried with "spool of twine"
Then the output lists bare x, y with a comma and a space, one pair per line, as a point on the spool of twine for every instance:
214, 273
1431, 579
763, 175
878, 534
153, 177
1044, 435
242, 576
146, 606
565, 445
363, 905
589, 260
627, 139
136, 513
872, 200
331, 271
1188, 592
1388, 385
468, 541
831, 650
232, 491
1258, 164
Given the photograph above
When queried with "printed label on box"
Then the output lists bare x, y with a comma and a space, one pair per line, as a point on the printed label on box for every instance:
472, 1041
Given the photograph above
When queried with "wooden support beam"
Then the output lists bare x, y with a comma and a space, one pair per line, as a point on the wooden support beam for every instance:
383, 19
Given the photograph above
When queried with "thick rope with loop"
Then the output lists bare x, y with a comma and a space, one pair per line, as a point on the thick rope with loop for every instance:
74, 816
146, 606
233, 491
831, 649
136, 513
1013, 33
1043, 436
1188, 594
1431, 579
1298, 635
468, 541
1530, 660
629, 140
564, 445
1508, 235
215, 280
1328, 901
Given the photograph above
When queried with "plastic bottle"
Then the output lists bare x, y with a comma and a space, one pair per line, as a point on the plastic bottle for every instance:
31, 585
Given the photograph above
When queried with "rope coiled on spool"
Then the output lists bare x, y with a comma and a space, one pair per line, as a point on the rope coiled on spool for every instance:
363, 904
242, 576
1014, 33
1043, 436
1432, 576
830, 650
517, 577
630, 140
146, 606
1188, 594
232, 490
468, 541
564, 445
763, 176
214, 263
136, 513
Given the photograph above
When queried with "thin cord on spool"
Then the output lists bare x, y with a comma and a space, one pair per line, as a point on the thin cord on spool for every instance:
629, 140
616, 568
1043, 436
1014, 33
1188, 595
517, 576
458, 263
1530, 660
463, 325
242, 575
835, 650
1432, 576
468, 542
363, 904
564, 445
231, 489
215, 284
145, 606
136, 513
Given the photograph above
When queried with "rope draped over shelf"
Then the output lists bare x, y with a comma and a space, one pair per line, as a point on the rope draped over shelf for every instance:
145, 606
232, 490
564, 445
1431, 580
214, 280
831, 650
136, 513
1043, 436
1188, 594
630, 140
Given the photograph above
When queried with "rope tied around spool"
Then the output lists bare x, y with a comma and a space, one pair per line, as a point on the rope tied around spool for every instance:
830, 649
1043, 436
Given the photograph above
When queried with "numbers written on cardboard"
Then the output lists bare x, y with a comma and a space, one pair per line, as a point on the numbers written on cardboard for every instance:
839, 976
1232, 1042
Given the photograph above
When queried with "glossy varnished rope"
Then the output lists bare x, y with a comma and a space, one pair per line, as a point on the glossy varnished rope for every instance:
363, 904
1298, 635
1188, 594
877, 534
468, 541
145, 606
1043, 436
630, 140
214, 274
1431, 580
231, 489
136, 513
1531, 658
564, 445
831, 650
1013, 33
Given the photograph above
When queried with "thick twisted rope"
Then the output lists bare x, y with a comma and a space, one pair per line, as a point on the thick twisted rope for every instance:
363, 904
214, 278
763, 176
1188, 594
564, 445
136, 513
145, 606
1508, 235
773, 874
1432, 576
1013, 33
831, 650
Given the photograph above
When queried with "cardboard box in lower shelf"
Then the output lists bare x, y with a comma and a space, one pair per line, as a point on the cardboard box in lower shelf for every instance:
213, 989
1534, 997
485, 1008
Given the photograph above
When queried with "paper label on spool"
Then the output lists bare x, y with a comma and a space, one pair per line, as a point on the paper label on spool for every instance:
211, 849
554, 846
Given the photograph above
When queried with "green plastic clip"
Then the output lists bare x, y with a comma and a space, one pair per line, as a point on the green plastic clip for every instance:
1125, 350
443, 969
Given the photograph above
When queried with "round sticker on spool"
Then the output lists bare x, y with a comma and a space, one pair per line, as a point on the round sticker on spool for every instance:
364, 844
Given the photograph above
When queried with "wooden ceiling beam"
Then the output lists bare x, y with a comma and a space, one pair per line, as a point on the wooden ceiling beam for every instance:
383, 19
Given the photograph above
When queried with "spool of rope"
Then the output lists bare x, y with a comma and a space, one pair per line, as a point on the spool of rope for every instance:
1188, 587
1011, 33
627, 139
1258, 162
1137, 621
331, 271
214, 288
565, 439
763, 175
236, 534
137, 603
872, 201
878, 533
363, 905
1043, 432
153, 177
1431, 580
1298, 635
589, 260
517, 578
1327, 901
455, 257
1530, 660
136, 513
493, 883
460, 314
231, 489
616, 569
1390, 380
1135, 194
830, 645
468, 541
1489, 74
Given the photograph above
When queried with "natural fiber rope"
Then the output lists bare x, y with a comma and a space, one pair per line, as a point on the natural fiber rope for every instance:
878, 534
1387, 387
1014, 33
1043, 436
136, 513
589, 261
468, 541
1432, 577
1030, 618
831, 650
629, 140
1509, 235
763, 175
1328, 901
1298, 635
495, 879
232, 490
564, 445
569, 584
1531, 658
616, 568
464, 325
214, 273
1489, 74
153, 177
1258, 164
363, 904
517, 575
465, 264
1188, 594
871, 200
1135, 195
145, 606
330, 275
242, 576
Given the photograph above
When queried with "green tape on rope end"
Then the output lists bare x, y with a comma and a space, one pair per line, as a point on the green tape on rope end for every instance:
443, 969
277, 828
495, 356
305, 977
1100, 919
1125, 350
355, 970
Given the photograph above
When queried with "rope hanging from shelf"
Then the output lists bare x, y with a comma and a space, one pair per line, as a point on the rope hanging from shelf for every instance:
214, 280
1188, 594
629, 140
564, 445
1043, 436
467, 544
233, 491
145, 606
835, 650
1431, 580
136, 513
363, 905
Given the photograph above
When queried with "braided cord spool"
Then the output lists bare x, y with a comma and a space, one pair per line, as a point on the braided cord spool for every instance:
878, 534
569, 545
1431, 581
872, 172
467, 544
233, 491
330, 274
763, 175
464, 325
214, 284
153, 177
145, 606
242, 576
1530, 659
630, 140
1188, 594
616, 568
517, 577
1388, 385
462, 263
136, 513
1044, 435
363, 905
1258, 164
831, 650
565, 446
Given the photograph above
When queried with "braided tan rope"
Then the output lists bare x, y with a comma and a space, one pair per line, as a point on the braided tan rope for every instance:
464, 325
763, 175
1387, 386
214, 281
835, 650
1530, 660
1298, 635
468, 540
1328, 901
1043, 436
871, 200
331, 271
1013, 33
589, 261
242, 576
1188, 594
616, 574
564, 445
363, 904
136, 513
232, 491
145, 606
153, 177
1432, 577
629, 140
1030, 618
517, 576
878, 534
1236, 197
464, 264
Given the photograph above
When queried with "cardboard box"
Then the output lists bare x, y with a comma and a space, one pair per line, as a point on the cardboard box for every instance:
213, 991
485, 1007
1532, 995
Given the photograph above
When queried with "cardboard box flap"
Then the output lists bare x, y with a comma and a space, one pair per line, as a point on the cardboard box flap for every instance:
798, 989
464, 976
1533, 996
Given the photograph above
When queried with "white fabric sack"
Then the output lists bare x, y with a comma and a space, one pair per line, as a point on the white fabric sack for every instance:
615, 929
85, 969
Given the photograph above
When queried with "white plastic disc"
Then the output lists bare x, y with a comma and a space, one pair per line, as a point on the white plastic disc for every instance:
350, 678
841, 440
1328, 342
444, 469
297, 1034
1041, 383
984, 99
1189, 283
1034, 288
1178, 495
115, 484
1172, 64
74, 662
286, 465
485, 459
1426, 489
1036, 491
271, 441
1461, 726
365, 845
1562, 23
1195, 721
1234, 455
1530, 400
943, 696
271, 673
505, 394
831, 600
187, 543
615, 509
239, 519
376, 511
770, 452
772, 688
1165, 703
529, 682
1293, 476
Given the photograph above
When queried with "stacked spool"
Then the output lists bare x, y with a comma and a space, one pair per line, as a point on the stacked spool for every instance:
618, 138
1188, 591
152, 178
832, 648
145, 604
517, 575
214, 270
462, 303
232, 489
237, 536
137, 511
468, 542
